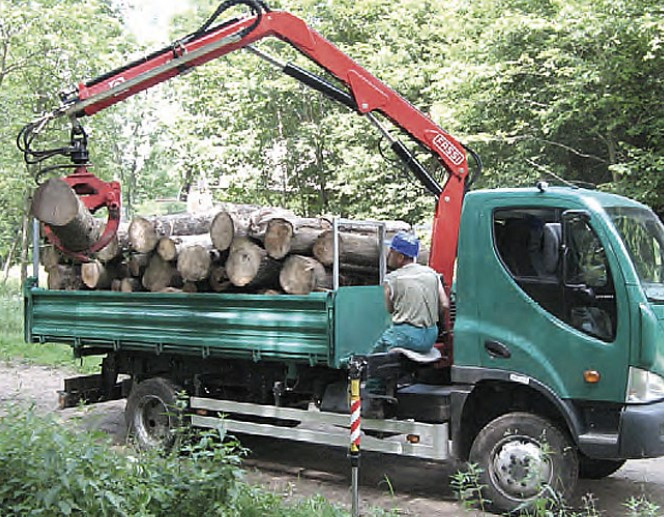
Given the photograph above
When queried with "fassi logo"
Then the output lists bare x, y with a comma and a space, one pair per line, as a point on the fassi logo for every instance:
448, 149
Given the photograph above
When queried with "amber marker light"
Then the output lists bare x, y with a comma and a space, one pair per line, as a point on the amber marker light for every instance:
413, 438
591, 376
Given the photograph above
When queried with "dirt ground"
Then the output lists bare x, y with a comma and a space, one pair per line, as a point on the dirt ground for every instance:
412, 487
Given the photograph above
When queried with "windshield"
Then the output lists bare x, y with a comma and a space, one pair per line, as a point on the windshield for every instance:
643, 235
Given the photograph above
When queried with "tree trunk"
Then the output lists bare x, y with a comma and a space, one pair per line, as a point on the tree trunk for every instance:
218, 279
49, 257
55, 204
353, 249
167, 249
96, 275
194, 262
130, 285
182, 224
282, 234
142, 235
249, 265
63, 277
116, 247
302, 275
227, 226
137, 263
159, 275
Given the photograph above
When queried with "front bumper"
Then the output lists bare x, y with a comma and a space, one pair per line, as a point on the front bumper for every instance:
642, 431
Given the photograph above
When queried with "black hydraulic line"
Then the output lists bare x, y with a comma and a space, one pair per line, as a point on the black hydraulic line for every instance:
478, 163
416, 168
320, 84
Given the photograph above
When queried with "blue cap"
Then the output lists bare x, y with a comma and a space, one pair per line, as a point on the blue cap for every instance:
405, 243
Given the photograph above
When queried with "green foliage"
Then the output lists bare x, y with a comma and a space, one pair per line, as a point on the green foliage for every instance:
47, 469
571, 89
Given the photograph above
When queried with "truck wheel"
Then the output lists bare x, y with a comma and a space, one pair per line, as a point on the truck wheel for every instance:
151, 413
590, 468
520, 454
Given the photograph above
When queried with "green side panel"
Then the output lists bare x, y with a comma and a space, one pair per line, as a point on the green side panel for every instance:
360, 318
258, 327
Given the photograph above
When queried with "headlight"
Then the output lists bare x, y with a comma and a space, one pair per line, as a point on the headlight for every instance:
644, 386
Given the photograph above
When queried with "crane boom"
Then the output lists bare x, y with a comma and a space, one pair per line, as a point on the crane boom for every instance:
366, 95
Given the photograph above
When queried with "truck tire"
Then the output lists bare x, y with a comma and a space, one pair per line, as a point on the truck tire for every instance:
590, 468
519, 455
151, 413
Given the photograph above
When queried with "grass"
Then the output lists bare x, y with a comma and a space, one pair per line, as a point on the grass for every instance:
13, 346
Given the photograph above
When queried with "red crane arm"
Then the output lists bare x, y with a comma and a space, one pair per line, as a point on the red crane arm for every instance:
369, 94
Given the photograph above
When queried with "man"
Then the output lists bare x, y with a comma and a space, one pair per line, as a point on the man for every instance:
415, 297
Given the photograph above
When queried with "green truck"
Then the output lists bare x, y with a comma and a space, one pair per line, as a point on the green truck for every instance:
557, 367
550, 367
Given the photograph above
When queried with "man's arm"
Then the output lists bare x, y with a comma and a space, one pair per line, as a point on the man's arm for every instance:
388, 298
443, 300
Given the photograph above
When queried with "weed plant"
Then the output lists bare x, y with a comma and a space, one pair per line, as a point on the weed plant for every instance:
468, 491
49, 470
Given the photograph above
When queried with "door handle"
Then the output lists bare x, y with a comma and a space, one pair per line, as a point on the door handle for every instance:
497, 349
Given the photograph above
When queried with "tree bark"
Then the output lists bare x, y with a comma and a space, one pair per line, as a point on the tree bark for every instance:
159, 275
55, 204
353, 248
249, 265
218, 279
302, 275
130, 285
49, 257
63, 277
137, 263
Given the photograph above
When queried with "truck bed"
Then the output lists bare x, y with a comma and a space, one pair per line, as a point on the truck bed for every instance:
319, 328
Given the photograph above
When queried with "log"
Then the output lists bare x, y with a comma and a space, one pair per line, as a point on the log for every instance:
55, 204
218, 279
302, 275
116, 285
194, 261
249, 265
353, 248
189, 287
61, 277
118, 245
167, 249
182, 224
142, 235
130, 285
49, 257
137, 263
282, 232
96, 275
159, 275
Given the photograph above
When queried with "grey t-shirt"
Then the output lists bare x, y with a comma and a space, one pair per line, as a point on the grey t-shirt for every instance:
414, 295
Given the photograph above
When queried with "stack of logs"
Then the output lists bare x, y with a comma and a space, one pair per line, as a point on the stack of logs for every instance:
238, 248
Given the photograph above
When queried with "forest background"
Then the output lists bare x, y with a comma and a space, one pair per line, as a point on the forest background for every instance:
569, 89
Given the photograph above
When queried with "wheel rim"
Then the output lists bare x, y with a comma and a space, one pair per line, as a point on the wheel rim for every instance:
152, 424
520, 468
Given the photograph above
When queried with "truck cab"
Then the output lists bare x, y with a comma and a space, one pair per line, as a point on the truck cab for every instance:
559, 309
